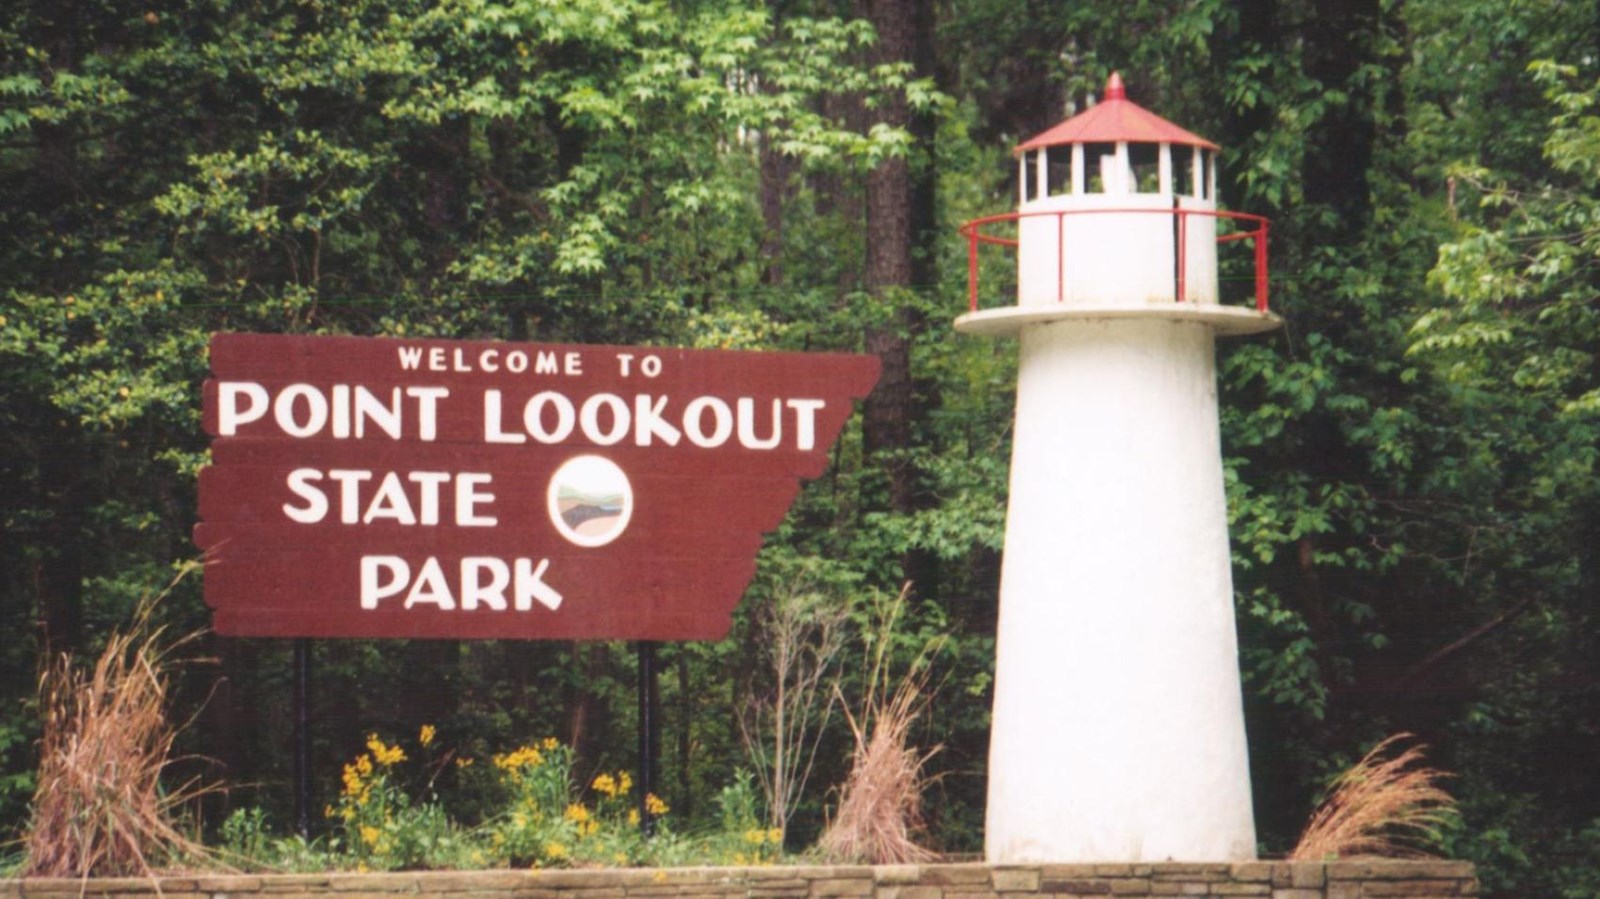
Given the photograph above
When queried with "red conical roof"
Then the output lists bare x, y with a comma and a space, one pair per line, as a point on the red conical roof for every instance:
1116, 118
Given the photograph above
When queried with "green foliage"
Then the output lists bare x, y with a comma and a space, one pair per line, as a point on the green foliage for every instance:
539, 817
382, 827
541, 824
1410, 463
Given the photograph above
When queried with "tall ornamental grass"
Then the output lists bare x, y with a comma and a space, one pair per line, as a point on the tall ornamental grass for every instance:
100, 809
879, 817
1387, 804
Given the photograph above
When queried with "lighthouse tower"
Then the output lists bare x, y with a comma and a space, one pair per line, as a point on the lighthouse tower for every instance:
1118, 731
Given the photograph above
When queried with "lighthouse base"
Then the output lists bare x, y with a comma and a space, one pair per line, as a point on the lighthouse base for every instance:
1118, 730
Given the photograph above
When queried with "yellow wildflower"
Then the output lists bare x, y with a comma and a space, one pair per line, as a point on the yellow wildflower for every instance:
578, 813
427, 734
624, 783
464, 762
555, 850
550, 744
633, 816
354, 776
775, 836
755, 837
654, 805
523, 757
370, 834
605, 784
385, 755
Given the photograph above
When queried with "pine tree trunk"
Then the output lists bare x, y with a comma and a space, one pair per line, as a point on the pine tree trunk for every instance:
891, 232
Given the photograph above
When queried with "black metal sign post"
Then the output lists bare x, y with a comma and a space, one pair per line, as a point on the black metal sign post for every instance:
649, 733
302, 737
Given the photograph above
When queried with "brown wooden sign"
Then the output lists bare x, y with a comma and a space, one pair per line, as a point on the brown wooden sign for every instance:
377, 487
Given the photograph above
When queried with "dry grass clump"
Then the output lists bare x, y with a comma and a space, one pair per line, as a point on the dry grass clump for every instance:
1385, 805
100, 809
880, 804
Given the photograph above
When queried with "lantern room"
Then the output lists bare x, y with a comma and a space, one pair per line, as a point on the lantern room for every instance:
1117, 215
1117, 148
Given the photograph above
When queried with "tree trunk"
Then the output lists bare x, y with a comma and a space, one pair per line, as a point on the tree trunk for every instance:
899, 260
775, 168
1339, 38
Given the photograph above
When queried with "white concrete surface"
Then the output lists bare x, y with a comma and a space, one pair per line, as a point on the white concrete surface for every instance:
1008, 321
1113, 249
1118, 730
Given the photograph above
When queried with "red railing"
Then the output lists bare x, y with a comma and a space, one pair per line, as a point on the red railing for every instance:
973, 231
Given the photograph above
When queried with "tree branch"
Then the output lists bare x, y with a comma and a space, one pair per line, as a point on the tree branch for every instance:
1449, 649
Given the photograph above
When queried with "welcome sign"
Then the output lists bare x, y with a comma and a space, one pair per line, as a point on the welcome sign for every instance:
379, 487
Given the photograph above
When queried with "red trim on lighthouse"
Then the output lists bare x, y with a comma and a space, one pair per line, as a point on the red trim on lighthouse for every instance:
1115, 89
1112, 120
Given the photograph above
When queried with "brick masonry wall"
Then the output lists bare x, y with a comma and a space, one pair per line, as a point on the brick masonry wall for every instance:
1274, 880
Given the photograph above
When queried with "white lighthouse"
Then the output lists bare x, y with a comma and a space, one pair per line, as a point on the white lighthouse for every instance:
1118, 730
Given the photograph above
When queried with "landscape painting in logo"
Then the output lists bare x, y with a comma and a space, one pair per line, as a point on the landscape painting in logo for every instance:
590, 500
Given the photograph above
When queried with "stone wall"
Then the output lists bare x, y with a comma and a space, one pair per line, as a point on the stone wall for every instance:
1275, 880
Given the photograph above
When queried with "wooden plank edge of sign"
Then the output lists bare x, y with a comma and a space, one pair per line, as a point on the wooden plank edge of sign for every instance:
276, 623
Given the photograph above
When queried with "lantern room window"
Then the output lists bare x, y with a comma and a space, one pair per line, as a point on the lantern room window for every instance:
1099, 168
1145, 161
1184, 162
1058, 168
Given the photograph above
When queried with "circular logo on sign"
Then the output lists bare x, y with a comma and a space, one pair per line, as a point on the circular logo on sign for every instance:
590, 500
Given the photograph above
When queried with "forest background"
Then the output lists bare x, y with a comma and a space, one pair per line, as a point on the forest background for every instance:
1411, 461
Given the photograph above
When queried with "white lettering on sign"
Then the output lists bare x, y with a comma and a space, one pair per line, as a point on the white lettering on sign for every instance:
343, 410
550, 417
412, 500
481, 582
355, 412
650, 365
488, 359
694, 421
